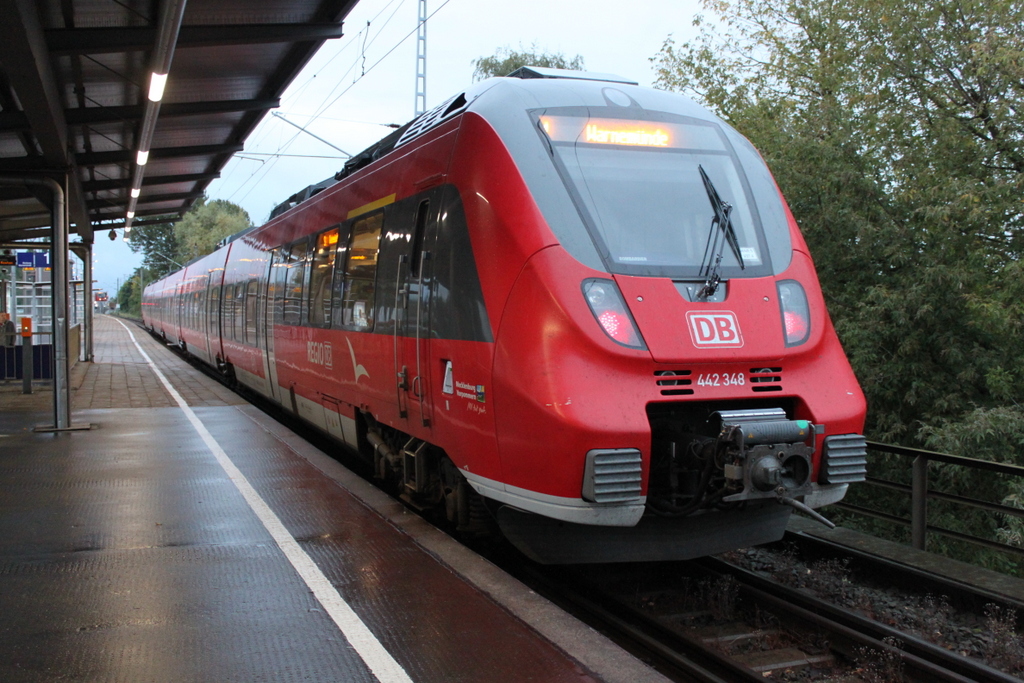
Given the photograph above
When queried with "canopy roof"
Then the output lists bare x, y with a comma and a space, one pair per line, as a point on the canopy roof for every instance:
74, 97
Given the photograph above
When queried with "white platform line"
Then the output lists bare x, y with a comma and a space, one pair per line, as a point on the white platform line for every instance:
378, 659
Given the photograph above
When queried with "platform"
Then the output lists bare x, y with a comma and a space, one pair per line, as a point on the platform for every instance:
188, 537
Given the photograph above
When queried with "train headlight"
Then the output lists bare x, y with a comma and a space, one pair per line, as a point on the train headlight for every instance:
610, 311
796, 314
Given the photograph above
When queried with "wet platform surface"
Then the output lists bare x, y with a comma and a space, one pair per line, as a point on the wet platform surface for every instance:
130, 552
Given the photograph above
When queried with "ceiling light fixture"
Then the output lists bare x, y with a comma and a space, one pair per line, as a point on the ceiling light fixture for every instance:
156, 87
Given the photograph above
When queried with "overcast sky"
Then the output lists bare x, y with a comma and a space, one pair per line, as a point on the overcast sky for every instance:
338, 102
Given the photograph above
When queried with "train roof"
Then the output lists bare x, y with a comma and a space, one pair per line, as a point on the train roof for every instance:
528, 87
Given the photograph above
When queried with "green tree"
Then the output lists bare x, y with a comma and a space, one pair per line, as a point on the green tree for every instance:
129, 297
205, 225
893, 128
506, 60
159, 247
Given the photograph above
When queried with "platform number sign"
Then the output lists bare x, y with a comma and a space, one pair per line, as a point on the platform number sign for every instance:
33, 259
714, 329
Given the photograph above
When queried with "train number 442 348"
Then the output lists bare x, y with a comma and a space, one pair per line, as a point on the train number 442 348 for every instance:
724, 379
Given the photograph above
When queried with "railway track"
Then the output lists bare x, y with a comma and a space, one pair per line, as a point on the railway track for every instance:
710, 620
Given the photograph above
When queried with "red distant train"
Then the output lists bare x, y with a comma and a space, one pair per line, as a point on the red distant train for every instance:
558, 300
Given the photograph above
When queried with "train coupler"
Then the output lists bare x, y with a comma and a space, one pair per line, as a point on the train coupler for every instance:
765, 455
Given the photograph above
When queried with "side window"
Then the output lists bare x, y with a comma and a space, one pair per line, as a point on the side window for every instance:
239, 311
357, 291
227, 312
251, 299
213, 307
204, 303
275, 288
320, 277
294, 284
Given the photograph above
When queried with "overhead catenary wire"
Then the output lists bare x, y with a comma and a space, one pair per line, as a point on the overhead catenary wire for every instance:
293, 94
265, 168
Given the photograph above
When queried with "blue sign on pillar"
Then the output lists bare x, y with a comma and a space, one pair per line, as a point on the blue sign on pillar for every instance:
33, 259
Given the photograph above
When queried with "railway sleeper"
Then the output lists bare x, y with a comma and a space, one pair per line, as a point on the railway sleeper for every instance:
788, 659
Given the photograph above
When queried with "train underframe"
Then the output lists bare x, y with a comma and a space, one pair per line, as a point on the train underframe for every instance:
722, 476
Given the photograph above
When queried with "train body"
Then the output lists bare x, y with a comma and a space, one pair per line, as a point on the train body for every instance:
513, 306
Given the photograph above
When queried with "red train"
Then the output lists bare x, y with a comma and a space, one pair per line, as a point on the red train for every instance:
560, 301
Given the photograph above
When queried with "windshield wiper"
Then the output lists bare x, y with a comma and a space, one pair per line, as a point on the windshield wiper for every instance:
721, 225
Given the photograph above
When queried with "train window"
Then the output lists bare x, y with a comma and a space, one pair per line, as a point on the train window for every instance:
237, 311
213, 312
643, 187
275, 286
251, 298
201, 303
293, 284
357, 288
227, 312
417, 244
320, 277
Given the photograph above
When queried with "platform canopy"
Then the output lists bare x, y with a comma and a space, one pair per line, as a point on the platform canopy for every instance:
75, 99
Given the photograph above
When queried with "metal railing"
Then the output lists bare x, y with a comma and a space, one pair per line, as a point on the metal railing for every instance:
920, 494
12, 362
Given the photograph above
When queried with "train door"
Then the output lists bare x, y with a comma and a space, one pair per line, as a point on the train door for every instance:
412, 321
276, 274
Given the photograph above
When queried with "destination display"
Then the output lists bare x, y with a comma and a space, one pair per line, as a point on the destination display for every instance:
630, 133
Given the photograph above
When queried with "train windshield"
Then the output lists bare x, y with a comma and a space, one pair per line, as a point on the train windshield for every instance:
637, 184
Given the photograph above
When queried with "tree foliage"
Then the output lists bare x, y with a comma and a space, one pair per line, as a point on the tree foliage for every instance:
158, 245
894, 129
506, 60
206, 224
129, 296
167, 246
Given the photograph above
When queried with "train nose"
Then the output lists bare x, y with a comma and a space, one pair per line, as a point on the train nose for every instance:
744, 324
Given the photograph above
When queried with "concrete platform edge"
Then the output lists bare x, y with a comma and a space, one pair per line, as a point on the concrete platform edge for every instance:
591, 649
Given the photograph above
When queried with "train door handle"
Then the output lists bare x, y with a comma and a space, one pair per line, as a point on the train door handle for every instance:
417, 387
403, 378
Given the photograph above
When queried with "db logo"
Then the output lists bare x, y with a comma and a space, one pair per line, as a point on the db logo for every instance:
714, 329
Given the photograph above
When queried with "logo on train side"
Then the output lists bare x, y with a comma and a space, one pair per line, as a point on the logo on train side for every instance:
357, 368
714, 329
319, 353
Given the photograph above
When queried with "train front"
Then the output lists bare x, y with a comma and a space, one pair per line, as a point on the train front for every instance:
668, 383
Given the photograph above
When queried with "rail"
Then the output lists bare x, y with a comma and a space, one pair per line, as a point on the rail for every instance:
920, 494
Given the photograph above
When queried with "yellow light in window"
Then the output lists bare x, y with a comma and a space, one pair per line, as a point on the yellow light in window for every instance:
328, 238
